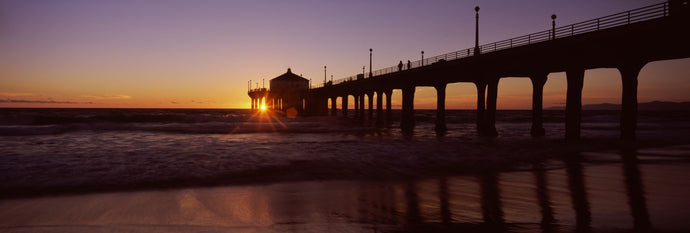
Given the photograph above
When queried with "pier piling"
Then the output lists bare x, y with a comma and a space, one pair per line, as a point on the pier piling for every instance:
538, 81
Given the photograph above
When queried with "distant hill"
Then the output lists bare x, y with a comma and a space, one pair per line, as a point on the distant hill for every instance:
649, 106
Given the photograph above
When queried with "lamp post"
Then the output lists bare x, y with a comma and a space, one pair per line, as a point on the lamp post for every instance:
553, 26
422, 61
370, 73
476, 31
324, 75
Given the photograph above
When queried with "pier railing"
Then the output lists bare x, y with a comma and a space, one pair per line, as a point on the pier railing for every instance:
256, 90
615, 20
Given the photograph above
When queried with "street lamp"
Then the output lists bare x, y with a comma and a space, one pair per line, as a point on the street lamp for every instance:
553, 26
370, 73
476, 31
324, 75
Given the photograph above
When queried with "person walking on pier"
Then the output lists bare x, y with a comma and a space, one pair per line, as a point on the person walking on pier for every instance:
400, 65
409, 65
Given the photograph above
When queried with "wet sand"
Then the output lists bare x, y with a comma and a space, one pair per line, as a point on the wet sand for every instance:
609, 191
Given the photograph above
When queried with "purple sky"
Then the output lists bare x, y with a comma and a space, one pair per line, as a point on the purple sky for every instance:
202, 53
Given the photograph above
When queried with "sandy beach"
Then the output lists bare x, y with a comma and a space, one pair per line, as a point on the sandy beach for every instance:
602, 192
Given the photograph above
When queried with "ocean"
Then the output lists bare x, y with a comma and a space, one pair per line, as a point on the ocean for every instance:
233, 170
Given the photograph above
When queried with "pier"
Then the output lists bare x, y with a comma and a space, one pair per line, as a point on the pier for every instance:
625, 41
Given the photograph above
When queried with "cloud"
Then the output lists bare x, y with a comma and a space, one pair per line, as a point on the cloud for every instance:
107, 97
202, 101
15, 94
40, 101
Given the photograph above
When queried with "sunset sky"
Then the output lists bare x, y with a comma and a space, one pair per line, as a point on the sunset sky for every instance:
201, 54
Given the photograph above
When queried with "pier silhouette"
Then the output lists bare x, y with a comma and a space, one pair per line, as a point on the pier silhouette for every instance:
625, 41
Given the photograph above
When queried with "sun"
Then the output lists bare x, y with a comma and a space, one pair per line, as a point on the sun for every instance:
263, 107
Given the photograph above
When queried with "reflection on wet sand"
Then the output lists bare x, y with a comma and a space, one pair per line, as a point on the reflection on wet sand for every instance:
413, 215
538, 200
547, 219
443, 198
635, 190
491, 200
578, 194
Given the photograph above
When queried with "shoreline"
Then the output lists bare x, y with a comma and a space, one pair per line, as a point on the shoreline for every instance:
519, 155
609, 188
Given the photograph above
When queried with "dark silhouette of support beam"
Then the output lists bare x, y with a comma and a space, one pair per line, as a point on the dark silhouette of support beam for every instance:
361, 106
314, 108
573, 103
323, 105
370, 101
379, 108
345, 103
440, 108
407, 119
635, 190
313, 103
491, 96
356, 105
578, 193
389, 110
628, 125
334, 106
481, 109
538, 81
316, 103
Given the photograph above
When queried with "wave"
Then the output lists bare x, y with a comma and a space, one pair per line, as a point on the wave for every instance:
181, 128
21, 122
25, 122
69, 116
17, 122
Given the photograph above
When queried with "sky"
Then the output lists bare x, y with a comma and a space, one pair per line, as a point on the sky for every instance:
202, 54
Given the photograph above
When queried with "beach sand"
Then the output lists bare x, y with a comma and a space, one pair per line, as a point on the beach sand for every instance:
602, 192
